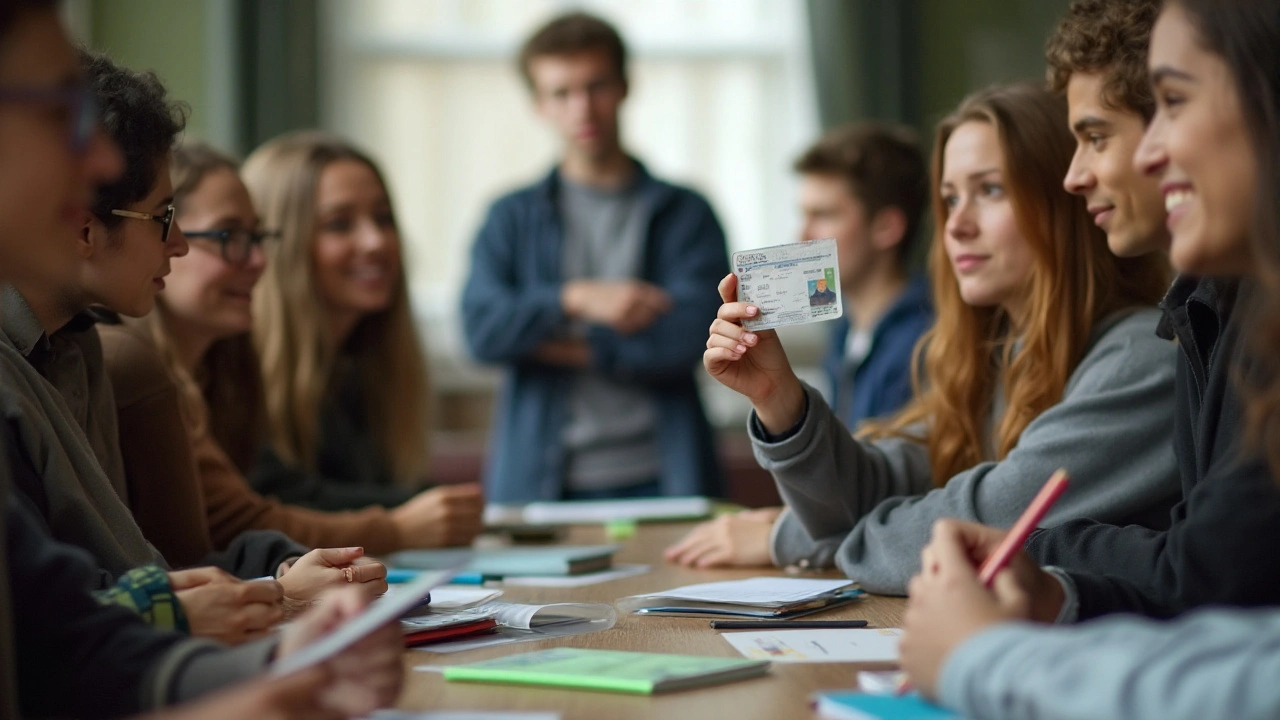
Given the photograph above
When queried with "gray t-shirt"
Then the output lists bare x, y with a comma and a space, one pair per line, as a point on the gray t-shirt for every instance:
609, 439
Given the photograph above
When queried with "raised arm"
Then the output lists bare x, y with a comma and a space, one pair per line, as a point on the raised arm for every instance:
1111, 431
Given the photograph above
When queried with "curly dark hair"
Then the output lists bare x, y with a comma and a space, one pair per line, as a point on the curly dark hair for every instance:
883, 166
574, 33
138, 115
1110, 37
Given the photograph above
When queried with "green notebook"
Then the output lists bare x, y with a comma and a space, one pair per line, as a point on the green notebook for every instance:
609, 670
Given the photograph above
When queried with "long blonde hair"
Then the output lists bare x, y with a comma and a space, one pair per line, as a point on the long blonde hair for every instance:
1075, 283
298, 363
224, 395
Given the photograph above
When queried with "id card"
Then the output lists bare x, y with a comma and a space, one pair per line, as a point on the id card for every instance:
792, 284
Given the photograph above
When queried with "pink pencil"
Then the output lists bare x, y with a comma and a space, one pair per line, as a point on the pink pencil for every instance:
1017, 537
1030, 520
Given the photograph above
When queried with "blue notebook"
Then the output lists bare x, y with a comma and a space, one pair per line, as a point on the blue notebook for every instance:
861, 706
515, 561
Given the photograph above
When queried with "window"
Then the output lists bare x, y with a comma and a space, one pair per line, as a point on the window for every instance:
720, 99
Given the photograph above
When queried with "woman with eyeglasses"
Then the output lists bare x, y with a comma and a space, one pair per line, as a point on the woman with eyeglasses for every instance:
189, 371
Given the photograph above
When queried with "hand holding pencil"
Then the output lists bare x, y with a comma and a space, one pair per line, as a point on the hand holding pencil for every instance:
949, 600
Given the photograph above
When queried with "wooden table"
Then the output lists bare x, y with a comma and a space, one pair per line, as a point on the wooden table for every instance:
783, 693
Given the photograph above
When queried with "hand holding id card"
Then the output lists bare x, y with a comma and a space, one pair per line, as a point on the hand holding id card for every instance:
792, 284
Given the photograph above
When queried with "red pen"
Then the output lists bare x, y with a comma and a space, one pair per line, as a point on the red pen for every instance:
1017, 537
1030, 520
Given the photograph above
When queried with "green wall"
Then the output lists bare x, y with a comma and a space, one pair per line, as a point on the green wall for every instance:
167, 36
968, 44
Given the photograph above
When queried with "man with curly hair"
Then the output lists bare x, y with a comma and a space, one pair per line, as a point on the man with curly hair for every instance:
1098, 57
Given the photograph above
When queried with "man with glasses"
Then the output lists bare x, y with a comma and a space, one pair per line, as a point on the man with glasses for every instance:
62, 653
51, 354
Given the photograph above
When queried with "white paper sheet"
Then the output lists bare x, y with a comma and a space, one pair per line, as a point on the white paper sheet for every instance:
618, 572
808, 646
381, 612
766, 591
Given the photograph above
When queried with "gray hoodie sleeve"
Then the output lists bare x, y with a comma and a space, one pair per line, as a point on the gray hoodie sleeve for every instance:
870, 506
1215, 664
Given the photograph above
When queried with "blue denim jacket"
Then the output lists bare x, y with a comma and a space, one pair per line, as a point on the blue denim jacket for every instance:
511, 305
881, 384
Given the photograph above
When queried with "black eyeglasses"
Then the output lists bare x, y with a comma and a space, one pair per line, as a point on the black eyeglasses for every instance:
81, 108
165, 220
236, 245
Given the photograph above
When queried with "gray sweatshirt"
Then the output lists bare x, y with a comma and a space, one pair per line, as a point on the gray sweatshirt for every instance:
1209, 664
870, 506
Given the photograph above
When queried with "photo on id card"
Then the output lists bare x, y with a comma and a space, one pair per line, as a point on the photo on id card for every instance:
792, 284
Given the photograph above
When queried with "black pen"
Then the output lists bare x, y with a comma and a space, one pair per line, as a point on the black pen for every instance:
786, 624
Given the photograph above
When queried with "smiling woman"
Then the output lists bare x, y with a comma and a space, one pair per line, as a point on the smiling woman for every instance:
346, 381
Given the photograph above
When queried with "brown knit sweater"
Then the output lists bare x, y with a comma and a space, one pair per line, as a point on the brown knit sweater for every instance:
186, 494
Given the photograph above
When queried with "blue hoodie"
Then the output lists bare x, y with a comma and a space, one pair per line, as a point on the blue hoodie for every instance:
881, 384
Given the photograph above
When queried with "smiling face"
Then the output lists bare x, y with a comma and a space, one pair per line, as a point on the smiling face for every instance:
1124, 202
579, 96
46, 188
207, 295
991, 259
125, 266
1198, 148
356, 254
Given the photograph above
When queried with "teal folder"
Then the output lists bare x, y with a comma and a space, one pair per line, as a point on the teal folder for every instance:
861, 706
512, 562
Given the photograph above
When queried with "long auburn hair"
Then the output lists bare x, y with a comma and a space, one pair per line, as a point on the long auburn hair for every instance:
224, 395
1075, 282
298, 361
1246, 35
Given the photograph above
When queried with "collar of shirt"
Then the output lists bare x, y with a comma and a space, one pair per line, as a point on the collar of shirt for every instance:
21, 325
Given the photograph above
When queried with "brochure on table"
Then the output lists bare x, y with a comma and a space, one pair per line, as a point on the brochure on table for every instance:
809, 646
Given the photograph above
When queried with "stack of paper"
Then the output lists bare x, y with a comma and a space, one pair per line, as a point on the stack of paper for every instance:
770, 597
425, 629
629, 672
377, 615
524, 623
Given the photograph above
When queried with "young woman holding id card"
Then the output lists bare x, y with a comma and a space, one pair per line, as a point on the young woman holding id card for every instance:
1044, 355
